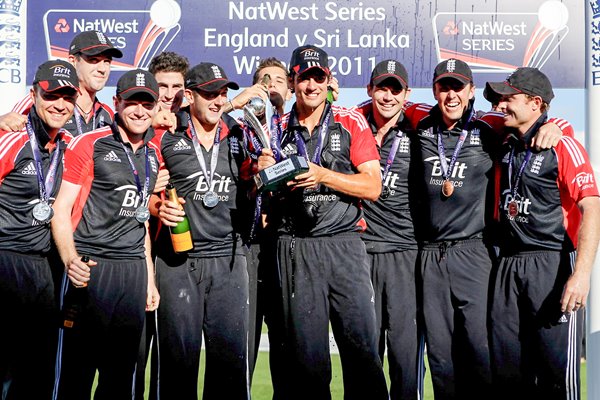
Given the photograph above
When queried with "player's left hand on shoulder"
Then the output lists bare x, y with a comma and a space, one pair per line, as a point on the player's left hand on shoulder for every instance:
547, 137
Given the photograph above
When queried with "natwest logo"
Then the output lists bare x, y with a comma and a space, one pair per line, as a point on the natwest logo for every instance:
62, 26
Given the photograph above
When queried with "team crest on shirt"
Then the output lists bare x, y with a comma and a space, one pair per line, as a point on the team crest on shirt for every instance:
234, 145
181, 145
112, 156
404, 146
336, 142
537, 164
29, 169
475, 138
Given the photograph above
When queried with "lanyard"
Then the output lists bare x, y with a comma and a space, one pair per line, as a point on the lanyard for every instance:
214, 152
447, 169
143, 192
45, 185
275, 131
78, 119
513, 187
316, 158
391, 156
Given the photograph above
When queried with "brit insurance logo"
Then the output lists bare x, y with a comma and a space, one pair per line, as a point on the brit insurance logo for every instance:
139, 34
501, 42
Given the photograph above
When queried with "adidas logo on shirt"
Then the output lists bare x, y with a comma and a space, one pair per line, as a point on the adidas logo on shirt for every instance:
112, 156
29, 169
181, 145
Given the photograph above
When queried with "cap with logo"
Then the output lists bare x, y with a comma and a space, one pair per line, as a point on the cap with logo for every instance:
455, 69
307, 57
92, 43
208, 77
56, 74
525, 80
389, 69
136, 82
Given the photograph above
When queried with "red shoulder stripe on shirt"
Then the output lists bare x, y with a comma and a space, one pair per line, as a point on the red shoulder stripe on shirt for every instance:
23, 106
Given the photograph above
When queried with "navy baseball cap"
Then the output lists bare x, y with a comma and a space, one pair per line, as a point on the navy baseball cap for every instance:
92, 43
525, 80
455, 69
137, 81
208, 77
389, 69
307, 57
56, 74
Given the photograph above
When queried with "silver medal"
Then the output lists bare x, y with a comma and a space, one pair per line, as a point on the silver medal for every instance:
42, 212
142, 214
211, 199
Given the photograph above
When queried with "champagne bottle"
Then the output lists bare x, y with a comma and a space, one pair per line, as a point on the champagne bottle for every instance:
74, 302
180, 234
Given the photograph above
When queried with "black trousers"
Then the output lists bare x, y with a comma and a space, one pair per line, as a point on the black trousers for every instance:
107, 336
203, 296
28, 333
535, 347
455, 280
325, 280
394, 281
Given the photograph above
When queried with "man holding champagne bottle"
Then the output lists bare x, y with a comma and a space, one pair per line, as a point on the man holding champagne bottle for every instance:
205, 290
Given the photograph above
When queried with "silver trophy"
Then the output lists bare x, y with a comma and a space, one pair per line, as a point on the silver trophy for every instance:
275, 177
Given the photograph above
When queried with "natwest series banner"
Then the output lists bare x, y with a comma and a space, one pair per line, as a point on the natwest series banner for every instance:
491, 36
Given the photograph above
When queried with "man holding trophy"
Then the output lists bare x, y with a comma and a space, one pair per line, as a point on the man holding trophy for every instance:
323, 261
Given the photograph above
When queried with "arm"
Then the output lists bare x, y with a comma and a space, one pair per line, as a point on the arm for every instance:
152, 297
62, 231
239, 101
578, 285
366, 184
12, 121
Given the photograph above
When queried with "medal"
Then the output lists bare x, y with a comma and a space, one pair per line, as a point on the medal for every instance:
142, 214
447, 188
42, 212
513, 209
211, 199
385, 192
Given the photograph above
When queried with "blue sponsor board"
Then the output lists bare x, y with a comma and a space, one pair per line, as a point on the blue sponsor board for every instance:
491, 36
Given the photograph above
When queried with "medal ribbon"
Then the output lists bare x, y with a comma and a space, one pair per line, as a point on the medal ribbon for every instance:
214, 153
275, 133
45, 185
316, 158
513, 187
447, 169
143, 192
78, 117
391, 156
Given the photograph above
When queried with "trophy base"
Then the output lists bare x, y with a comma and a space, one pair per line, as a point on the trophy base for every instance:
277, 176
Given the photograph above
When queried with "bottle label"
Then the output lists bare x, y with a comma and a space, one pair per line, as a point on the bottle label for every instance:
182, 241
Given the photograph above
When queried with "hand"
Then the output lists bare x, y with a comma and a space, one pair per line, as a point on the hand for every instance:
162, 179
165, 120
266, 159
169, 212
310, 179
547, 137
575, 293
79, 272
12, 122
152, 297
256, 90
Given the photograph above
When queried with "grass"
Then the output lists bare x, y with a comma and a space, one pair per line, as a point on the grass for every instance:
262, 389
